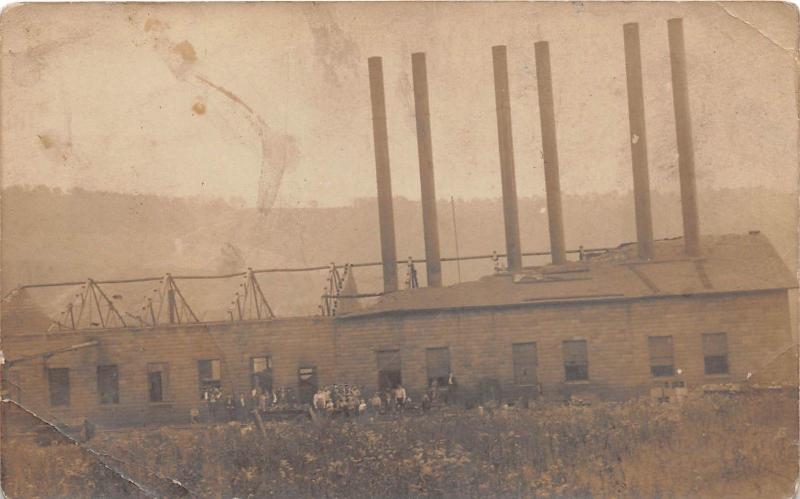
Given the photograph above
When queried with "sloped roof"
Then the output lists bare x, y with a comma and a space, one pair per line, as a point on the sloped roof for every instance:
728, 263
19, 314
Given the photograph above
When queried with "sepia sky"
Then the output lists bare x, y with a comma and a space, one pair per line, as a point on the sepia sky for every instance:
217, 99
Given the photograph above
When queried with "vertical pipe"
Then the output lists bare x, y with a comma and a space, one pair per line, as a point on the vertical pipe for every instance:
430, 224
506, 144
683, 130
638, 139
71, 315
455, 236
383, 175
555, 219
171, 305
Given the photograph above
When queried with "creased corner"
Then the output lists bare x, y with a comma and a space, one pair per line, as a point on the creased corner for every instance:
116, 468
791, 50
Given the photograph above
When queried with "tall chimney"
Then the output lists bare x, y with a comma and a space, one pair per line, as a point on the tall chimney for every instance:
638, 138
555, 218
683, 129
506, 144
383, 175
433, 265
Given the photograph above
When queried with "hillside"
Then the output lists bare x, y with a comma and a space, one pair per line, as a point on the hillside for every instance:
49, 235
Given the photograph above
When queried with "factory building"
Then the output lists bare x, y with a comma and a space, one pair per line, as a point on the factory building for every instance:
613, 327
690, 311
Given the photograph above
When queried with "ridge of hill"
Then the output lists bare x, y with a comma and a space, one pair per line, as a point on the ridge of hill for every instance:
49, 235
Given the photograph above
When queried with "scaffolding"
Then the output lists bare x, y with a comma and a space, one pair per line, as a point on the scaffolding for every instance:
333, 289
250, 303
91, 307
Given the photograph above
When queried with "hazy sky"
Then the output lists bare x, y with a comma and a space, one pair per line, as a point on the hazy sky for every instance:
212, 99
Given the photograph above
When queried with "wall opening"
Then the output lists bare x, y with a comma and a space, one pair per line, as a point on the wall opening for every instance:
389, 370
525, 361
108, 384
157, 381
576, 360
209, 374
261, 373
662, 362
306, 383
58, 382
437, 361
715, 353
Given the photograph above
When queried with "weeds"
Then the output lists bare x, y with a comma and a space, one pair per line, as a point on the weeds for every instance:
710, 446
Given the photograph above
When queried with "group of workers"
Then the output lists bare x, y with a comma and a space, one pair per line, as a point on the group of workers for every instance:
347, 400
218, 407
337, 399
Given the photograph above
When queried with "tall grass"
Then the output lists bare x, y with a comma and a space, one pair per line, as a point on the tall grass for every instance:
709, 446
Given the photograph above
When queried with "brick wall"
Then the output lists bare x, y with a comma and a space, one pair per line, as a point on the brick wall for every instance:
343, 350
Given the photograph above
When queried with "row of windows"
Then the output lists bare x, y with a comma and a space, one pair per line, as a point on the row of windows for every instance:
524, 357
715, 354
208, 370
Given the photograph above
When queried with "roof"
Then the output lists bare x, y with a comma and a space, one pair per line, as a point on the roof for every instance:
728, 264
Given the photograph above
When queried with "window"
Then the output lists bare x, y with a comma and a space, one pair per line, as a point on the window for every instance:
576, 360
437, 361
306, 383
523, 356
58, 381
108, 384
715, 353
208, 374
661, 361
261, 373
389, 373
157, 381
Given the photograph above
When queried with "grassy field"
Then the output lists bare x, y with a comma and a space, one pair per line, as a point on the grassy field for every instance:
709, 446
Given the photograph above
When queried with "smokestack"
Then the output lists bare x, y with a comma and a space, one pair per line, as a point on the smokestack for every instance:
506, 143
383, 175
430, 224
638, 138
683, 129
555, 218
